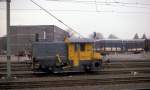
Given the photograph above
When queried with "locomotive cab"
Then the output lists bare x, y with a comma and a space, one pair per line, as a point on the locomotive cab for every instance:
81, 53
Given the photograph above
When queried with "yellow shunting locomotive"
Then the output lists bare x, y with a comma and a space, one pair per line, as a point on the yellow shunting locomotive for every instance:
73, 55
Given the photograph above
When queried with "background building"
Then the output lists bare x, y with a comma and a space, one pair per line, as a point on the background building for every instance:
21, 37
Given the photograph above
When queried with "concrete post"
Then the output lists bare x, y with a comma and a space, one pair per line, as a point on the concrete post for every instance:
8, 40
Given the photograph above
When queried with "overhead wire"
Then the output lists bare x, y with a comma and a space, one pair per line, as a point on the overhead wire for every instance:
55, 10
125, 4
70, 29
97, 3
96, 7
106, 2
93, 2
114, 3
83, 11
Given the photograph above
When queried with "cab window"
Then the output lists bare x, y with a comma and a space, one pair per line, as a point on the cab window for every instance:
76, 47
82, 47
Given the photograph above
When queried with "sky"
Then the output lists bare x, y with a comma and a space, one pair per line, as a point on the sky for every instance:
123, 19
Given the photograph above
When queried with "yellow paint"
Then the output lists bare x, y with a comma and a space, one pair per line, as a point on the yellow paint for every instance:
78, 54
72, 54
87, 53
97, 56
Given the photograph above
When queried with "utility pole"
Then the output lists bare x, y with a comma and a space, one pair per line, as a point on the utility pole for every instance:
8, 39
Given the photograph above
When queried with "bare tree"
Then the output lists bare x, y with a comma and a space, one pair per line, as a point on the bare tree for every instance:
112, 36
136, 36
96, 35
144, 36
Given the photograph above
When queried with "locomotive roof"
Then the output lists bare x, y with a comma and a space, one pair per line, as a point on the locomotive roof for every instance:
80, 40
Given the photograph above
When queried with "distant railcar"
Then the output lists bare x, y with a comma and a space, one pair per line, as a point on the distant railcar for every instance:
117, 45
73, 55
136, 45
147, 45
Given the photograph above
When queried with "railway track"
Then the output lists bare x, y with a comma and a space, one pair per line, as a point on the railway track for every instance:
115, 72
28, 74
64, 83
24, 66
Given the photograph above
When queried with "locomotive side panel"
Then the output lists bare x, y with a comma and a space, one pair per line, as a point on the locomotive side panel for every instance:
46, 52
